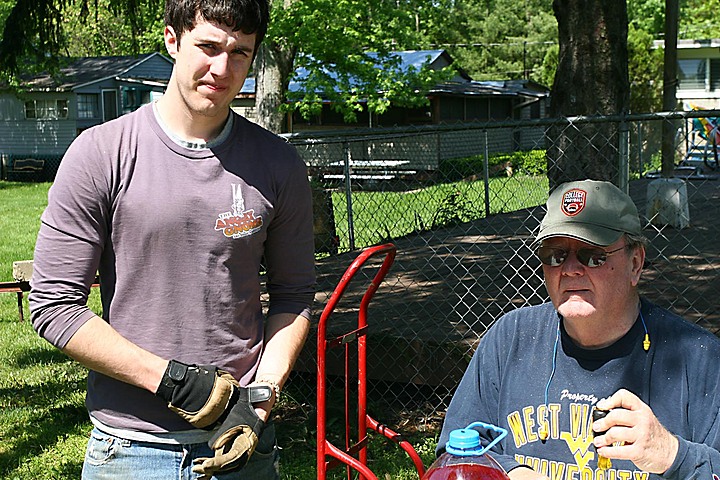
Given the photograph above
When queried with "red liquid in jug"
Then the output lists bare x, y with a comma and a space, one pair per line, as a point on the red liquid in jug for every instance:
465, 471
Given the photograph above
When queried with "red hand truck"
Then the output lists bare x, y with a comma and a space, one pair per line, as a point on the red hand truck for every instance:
354, 455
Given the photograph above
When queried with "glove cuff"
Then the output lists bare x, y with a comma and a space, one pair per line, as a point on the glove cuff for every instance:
174, 375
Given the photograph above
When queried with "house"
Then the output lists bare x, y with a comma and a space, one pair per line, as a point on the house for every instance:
698, 72
40, 120
459, 100
698, 88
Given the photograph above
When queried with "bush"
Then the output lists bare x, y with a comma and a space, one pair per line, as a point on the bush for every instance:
531, 162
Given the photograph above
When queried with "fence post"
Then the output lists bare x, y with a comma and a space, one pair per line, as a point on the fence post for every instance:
4, 165
348, 196
641, 162
624, 153
486, 175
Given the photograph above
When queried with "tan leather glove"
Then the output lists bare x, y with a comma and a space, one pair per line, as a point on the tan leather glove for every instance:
198, 393
237, 437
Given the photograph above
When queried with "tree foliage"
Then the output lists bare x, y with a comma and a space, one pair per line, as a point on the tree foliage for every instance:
489, 39
342, 48
37, 34
98, 30
645, 65
502, 39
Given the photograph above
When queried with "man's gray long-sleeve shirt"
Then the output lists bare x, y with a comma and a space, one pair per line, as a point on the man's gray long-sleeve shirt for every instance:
178, 237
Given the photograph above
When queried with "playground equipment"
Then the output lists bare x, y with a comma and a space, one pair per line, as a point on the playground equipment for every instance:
703, 142
355, 451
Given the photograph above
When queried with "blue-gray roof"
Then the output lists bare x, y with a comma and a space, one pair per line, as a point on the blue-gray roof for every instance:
437, 59
408, 60
87, 70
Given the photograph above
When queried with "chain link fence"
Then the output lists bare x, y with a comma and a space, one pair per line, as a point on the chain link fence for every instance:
462, 204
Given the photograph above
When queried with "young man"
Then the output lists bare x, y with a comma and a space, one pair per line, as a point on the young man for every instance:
180, 206
540, 371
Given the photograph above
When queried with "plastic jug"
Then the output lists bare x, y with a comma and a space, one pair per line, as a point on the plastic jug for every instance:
465, 458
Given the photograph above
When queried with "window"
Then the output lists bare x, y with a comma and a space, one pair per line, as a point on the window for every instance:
476, 109
715, 74
133, 98
46, 109
691, 73
88, 105
110, 107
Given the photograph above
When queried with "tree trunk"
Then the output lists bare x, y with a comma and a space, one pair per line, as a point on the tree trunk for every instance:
591, 79
670, 87
273, 67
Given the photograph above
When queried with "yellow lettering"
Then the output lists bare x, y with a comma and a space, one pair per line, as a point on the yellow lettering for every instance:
624, 474
516, 428
587, 425
554, 420
641, 475
542, 413
557, 470
572, 471
580, 420
529, 424
543, 467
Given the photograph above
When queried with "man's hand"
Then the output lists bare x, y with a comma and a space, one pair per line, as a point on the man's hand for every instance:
633, 432
199, 394
235, 440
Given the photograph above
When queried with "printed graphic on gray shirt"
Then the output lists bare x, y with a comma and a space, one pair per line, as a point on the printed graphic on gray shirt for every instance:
239, 222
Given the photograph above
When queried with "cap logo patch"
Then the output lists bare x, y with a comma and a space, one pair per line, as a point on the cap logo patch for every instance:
573, 202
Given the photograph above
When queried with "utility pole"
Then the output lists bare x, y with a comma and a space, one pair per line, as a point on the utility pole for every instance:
669, 86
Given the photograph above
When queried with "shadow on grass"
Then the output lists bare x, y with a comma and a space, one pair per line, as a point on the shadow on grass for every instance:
39, 356
43, 431
20, 394
5, 185
42, 408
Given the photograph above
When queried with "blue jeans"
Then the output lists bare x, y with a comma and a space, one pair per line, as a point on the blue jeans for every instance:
112, 458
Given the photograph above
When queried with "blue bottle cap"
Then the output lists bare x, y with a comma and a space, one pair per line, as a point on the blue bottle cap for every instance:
464, 441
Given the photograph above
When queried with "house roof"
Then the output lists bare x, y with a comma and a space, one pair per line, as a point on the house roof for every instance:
684, 44
508, 88
408, 60
87, 70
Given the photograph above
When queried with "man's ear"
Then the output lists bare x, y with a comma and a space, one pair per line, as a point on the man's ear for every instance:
637, 263
172, 41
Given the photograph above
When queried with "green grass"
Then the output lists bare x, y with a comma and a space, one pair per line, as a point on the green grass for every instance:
44, 424
22, 204
380, 216
43, 421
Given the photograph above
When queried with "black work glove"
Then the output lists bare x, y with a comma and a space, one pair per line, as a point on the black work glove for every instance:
200, 394
236, 438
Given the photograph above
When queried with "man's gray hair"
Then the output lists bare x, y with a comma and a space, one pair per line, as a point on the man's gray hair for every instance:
633, 241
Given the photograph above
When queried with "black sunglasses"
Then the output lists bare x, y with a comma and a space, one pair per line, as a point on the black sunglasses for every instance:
590, 257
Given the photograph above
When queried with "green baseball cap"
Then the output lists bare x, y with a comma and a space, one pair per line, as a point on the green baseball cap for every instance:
589, 210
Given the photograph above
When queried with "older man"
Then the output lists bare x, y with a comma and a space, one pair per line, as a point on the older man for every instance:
541, 371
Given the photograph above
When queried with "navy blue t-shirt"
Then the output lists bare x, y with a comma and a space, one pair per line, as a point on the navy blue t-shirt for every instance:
506, 381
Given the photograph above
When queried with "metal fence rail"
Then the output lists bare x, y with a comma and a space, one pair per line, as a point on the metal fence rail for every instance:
462, 203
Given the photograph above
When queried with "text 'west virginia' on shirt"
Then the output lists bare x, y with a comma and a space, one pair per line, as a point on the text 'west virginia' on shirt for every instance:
506, 380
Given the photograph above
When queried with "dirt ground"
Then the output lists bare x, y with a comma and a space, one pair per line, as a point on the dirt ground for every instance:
417, 322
